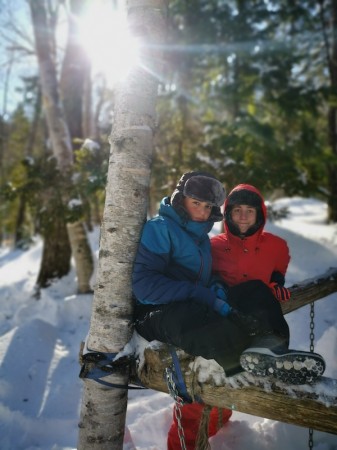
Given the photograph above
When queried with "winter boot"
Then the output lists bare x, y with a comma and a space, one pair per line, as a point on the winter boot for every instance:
289, 366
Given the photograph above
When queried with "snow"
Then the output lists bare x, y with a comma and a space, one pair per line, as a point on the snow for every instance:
40, 391
91, 145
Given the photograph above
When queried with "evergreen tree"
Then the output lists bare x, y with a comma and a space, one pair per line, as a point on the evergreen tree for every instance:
245, 95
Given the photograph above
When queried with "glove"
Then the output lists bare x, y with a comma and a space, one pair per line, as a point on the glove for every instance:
281, 293
248, 323
220, 290
222, 307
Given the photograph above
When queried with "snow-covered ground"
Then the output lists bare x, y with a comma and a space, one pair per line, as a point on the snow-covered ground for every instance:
40, 392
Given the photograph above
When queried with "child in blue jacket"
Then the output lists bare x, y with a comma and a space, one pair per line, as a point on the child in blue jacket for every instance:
172, 272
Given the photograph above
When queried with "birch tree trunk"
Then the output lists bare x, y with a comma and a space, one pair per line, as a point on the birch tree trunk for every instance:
75, 70
103, 410
56, 247
61, 143
81, 252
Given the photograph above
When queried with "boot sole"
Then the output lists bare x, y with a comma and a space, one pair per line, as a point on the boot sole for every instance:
292, 368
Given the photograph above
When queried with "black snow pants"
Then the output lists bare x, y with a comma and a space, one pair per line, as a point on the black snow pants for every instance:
200, 331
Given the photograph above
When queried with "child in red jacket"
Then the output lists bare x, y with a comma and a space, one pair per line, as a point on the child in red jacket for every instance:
251, 264
245, 251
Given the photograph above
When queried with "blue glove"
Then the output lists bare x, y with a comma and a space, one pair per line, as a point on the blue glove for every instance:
219, 290
222, 307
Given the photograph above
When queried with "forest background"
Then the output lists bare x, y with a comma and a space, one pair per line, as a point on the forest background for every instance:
249, 93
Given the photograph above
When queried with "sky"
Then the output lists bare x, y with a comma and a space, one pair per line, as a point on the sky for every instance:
103, 21
40, 391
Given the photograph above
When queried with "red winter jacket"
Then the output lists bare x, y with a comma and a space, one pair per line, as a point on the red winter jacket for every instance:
254, 257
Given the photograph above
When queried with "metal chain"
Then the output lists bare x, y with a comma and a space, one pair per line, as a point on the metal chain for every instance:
311, 438
177, 412
312, 327
312, 348
179, 402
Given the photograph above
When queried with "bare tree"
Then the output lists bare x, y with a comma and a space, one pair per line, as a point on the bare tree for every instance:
75, 71
56, 251
56, 247
104, 410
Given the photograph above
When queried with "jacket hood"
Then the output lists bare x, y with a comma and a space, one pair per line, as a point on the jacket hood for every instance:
245, 194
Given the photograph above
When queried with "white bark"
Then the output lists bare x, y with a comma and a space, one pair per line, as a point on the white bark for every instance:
82, 254
57, 126
59, 134
103, 410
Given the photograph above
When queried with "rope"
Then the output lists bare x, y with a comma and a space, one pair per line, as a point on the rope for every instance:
202, 442
220, 418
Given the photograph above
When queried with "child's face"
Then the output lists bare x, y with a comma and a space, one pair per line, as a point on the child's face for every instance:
198, 211
244, 217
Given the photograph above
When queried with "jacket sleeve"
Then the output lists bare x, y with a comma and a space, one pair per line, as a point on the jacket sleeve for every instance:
283, 258
278, 278
150, 280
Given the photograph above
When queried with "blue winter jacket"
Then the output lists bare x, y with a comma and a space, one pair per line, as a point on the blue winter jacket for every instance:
173, 262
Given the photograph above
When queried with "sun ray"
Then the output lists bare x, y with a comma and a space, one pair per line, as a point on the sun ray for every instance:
104, 34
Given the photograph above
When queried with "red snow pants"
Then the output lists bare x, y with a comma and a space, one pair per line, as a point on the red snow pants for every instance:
190, 419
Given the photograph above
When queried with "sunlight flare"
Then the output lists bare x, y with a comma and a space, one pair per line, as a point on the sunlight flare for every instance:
112, 49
